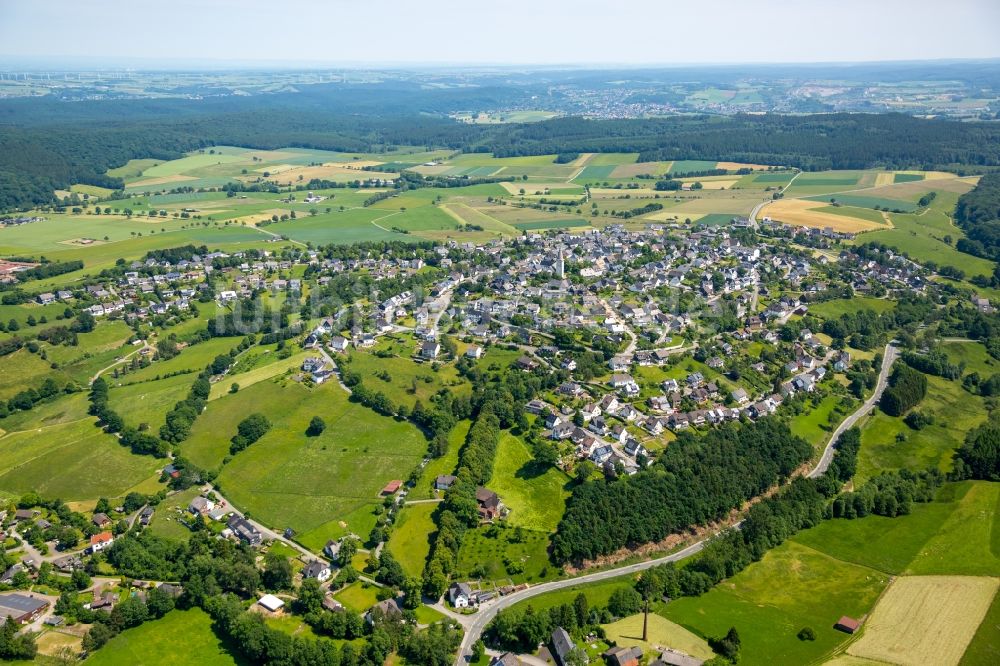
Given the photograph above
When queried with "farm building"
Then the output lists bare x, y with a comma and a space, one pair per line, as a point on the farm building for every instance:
675, 658
271, 603
623, 656
847, 624
22, 607
392, 487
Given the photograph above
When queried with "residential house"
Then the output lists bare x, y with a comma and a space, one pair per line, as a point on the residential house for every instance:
244, 531
100, 541
460, 595
430, 349
444, 481
317, 569
489, 504
562, 645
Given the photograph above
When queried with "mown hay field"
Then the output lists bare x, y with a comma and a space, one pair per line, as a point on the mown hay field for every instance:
925, 619
805, 213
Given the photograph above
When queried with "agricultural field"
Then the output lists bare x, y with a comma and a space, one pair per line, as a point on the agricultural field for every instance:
769, 602
925, 619
800, 212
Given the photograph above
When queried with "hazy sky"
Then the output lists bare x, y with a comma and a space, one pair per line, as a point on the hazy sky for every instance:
502, 31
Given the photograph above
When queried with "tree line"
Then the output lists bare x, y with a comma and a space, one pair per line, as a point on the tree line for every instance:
737, 461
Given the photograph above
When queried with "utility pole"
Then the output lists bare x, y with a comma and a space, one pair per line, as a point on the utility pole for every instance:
645, 620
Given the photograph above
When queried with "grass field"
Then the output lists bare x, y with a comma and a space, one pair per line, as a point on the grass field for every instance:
70, 457
166, 521
958, 533
862, 201
833, 309
973, 356
492, 556
814, 426
922, 235
155, 643
662, 633
323, 486
956, 411
769, 602
446, 464
968, 541
536, 497
540, 225
925, 619
410, 539
358, 596
409, 380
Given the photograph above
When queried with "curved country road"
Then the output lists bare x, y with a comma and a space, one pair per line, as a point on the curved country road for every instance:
475, 624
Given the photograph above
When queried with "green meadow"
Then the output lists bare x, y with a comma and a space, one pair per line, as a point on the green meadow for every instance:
156, 643
536, 497
410, 541
887, 443
310, 484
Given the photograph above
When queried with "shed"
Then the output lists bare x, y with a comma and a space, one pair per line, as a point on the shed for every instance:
847, 624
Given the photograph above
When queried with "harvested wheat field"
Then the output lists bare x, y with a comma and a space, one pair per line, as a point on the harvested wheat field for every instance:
925, 619
736, 166
612, 193
798, 212
712, 183
914, 190
332, 171
531, 188
883, 178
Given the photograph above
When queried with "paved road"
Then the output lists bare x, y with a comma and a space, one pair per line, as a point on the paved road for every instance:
890, 355
476, 624
475, 627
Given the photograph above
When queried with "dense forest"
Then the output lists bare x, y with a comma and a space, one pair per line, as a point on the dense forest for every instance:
696, 481
978, 214
46, 144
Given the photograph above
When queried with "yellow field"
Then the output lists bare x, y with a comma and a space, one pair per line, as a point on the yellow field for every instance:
162, 180
884, 178
662, 633
531, 188
612, 193
735, 166
925, 620
713, 182
331, 171
799, 212
275, 169
671, 214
